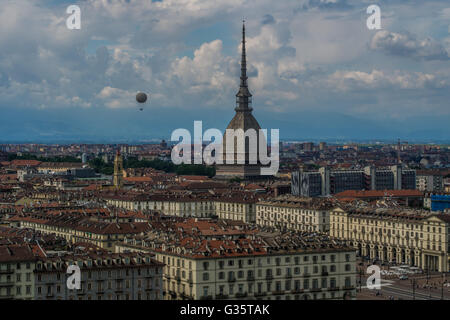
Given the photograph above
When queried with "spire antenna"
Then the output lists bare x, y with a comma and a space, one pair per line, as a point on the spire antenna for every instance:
243, 97
243, 58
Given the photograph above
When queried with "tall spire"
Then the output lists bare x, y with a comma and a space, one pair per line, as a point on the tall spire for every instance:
243, 97
243, 59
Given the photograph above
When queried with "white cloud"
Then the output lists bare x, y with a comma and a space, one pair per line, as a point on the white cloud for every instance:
116, 98
378, 79
408, 45
295, 57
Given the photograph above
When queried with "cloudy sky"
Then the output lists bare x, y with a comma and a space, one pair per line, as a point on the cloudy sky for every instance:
316, 70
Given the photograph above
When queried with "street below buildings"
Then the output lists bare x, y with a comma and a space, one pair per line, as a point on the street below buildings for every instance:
420, 286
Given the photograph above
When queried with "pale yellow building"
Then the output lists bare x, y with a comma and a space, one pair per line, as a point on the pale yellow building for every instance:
17, 263
79, 229
234, 208
283, 269
404, 236
293, 213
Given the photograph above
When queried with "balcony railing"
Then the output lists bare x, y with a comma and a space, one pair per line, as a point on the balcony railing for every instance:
7, 284
277, 292
241, 295
185, 296
349, 287
333, 288
269, 277
8, 271
260, 294
297, 290
221, 296
206, 298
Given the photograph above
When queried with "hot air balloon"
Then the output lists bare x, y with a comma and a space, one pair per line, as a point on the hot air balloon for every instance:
141, 97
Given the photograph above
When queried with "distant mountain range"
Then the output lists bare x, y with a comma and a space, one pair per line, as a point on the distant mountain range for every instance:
132, 125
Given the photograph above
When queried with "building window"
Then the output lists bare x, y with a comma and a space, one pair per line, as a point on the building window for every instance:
333, 283
306, 284
348, 282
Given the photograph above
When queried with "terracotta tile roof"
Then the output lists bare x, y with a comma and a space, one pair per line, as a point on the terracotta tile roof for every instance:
16, 253
378, 193
195, 178
24, 163
138, 179
44, 165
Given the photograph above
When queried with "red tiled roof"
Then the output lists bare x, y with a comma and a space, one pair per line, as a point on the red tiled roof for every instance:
138, 179
31, 163
378, 193
5, 177
195, 178
16, 252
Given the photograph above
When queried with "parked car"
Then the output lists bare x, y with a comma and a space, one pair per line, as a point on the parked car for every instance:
403, 277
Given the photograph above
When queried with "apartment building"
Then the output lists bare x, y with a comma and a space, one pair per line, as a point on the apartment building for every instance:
407, 236
58, 167
240, 207
104, 276
269, 266
326, 181
17, 263
175, 205
430, 180
293, 213
78, 228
